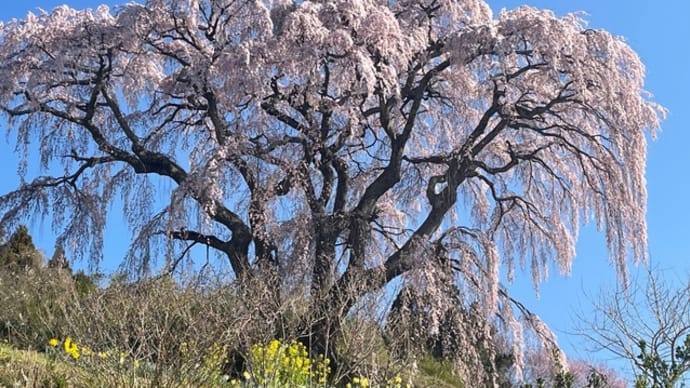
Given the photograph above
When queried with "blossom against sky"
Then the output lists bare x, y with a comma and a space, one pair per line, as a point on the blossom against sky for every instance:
658, 31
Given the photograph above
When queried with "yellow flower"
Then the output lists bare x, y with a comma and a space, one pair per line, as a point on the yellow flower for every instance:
364, 383
53, 342
289, 362
71, 348
246, 375
137, 363
355, 380
68, 344
103, 355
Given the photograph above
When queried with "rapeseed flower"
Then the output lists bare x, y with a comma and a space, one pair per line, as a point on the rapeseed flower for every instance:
71, 348
287, 364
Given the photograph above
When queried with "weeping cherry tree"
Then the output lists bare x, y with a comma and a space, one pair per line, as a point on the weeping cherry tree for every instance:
332, 148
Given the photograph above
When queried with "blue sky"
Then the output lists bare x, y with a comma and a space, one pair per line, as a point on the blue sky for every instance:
660, 32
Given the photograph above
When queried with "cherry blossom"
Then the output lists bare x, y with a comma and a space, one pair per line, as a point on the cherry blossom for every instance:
345, 143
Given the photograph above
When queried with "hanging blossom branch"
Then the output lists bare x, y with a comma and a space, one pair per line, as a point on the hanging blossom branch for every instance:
340, 138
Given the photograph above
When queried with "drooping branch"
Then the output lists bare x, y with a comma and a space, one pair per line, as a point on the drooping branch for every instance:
313, 133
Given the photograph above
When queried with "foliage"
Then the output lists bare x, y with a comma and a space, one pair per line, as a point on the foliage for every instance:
438, 373
662, 373
36, 305
85, 284
19, 252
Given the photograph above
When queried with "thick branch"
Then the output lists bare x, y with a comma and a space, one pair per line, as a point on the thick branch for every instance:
237, 257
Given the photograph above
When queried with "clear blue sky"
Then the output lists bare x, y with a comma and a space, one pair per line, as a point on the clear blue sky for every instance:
660, 32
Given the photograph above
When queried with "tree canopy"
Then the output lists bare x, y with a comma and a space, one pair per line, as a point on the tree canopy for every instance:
334, 144
19, 251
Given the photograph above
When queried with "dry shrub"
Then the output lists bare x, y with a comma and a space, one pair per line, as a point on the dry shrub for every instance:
189, 331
